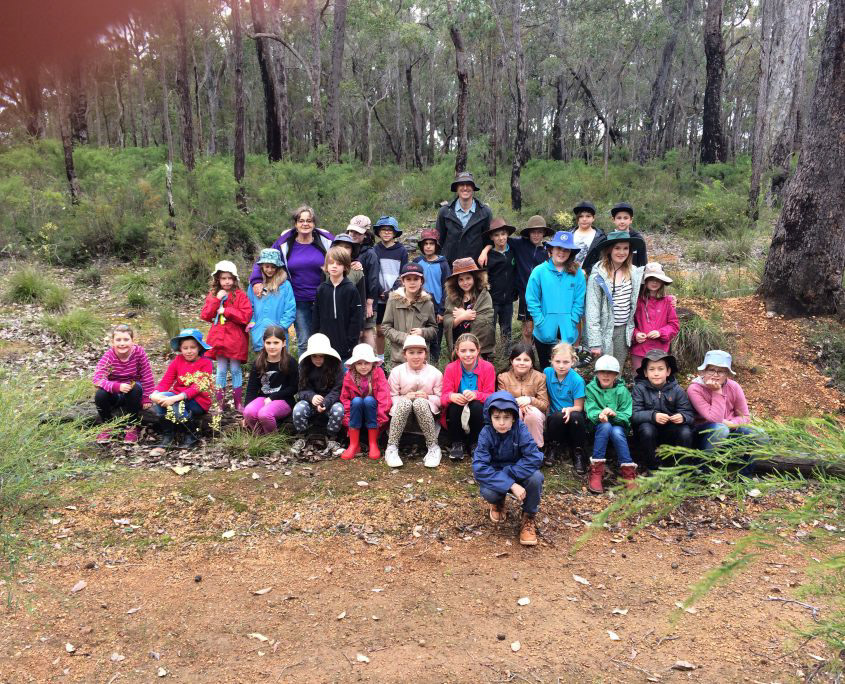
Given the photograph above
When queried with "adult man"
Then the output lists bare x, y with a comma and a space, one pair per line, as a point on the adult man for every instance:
463, 223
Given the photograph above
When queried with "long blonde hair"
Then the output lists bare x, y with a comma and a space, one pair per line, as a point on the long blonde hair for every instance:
278, 279
607, 262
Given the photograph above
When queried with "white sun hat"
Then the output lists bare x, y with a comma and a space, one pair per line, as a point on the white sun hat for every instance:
362, 352
225, 266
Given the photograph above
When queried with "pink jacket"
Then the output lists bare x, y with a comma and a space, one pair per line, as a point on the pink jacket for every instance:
709, 407
378, 389
655, 314
452, 380
429, 380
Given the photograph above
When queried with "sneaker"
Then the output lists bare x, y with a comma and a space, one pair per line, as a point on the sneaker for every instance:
332, 448
391, 456
103, 437
298, 446
456, 453
432, 457
131, 436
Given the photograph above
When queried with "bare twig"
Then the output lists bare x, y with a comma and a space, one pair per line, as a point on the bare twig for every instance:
651, 675
814, 611
670, 637
287, 667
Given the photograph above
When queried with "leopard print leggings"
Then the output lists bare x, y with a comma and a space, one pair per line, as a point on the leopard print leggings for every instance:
425, 418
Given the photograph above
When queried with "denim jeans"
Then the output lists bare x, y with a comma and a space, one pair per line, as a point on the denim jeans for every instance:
607, 432
710, 435
224, 366
363, 412
503, 314
533, 485
302, 325
187, 408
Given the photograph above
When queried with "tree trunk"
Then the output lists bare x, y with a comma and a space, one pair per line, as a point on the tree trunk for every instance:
519, 152
463, 93
78, 106
168, 137
183, 86
416, 124
121, 111
282, 104
240, 155
431, 110
316, 71
65, 113
333, 99
494, 117
712, 139
803, 272
142, 96
34, 106
269, 80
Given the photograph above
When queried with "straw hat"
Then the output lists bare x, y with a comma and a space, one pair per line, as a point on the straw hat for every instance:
461, 266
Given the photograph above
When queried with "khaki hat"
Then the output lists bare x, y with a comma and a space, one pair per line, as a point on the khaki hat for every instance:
536, 222
464, 177
465, 265
359, 224
500, 224
414, 342
654, 270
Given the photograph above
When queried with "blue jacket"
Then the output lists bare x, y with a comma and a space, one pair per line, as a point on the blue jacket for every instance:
500, 460
555, 300
436, 273
278, 308
528, 257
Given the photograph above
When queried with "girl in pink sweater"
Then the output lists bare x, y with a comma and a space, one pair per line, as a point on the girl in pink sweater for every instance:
655, 321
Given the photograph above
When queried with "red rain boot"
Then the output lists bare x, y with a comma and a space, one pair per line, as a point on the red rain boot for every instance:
354, 444
238, 394
596, 473
220, 395
375, 454
628, 471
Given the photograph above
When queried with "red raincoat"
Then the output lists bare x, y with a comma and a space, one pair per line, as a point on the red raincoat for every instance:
228, 338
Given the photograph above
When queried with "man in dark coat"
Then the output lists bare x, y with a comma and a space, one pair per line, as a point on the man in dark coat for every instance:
462, 224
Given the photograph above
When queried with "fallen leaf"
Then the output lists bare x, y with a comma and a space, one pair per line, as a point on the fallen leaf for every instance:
684, 666
613, 636
581, 580
417, 530
132, 611
620, 611
524, 601
257, 635
754, 492
363, 483
342, 615
116, 657
228, 534
79, 586
261, 592
256, 476
515, 646
69, 647
361, 658
161, 672
690, 610
181, 470
121, 521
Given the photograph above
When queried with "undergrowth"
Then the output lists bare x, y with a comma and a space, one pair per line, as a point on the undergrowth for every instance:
77, 328
696, 337
242, 443
828, 338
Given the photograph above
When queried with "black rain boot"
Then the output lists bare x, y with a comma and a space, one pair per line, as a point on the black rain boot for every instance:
166, 434
581, 461
191, 428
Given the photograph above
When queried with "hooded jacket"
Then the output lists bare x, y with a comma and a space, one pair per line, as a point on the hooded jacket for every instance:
555, 300
616, 397
669, 399
458, 242
369, 260
228, 336
729, 406
378, 388
499, 460
273, 308
654, 314
337, 314
599, 307
401, 315
528, 257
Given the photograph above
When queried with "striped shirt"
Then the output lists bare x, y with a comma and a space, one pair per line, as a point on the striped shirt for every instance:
111, 372
621, 302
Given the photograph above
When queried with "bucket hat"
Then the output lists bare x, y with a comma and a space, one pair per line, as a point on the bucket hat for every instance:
189, 333
430, 234
607, 363
622, 206
344, 238
319, 343
464, 177
535, 222
583, 205
656, 355
225, 267
270, 256
565, 240
654, 270
461, 266
359, 224
499, 224
717, 357
387, 222
362, 352
414, 342
412, 268
593, 256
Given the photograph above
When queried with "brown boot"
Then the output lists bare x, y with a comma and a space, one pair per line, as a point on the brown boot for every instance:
498, 514
596, 473
628, 471
528, 531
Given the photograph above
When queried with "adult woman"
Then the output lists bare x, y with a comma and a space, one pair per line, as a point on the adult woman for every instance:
303, 250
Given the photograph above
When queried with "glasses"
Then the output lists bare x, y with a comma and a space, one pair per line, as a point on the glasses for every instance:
715, 371
305, 220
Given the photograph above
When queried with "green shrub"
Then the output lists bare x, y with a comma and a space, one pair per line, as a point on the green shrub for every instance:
25, 286
55, 298
137, 300
828, 339
168, 320
188, 270
77, 328
696, 337
89, 276
715, 283
715, 213
134, 285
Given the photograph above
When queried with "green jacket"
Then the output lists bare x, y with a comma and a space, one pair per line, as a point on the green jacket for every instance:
617, 398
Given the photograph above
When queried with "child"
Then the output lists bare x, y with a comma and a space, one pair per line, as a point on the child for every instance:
469, 307
410, 311
356, 276
655, 321
467, 382
276, 304
228, 310
436, 270
415, 386
507, 460
360, 230
555, 296
273, 381
124, 381
184, 389
608, 407
662, 413
337, 308
501, 272
528, 386
612, 293
721, 410
365, 396
566, 395
623, 215
320, 380
585, 234
392, 256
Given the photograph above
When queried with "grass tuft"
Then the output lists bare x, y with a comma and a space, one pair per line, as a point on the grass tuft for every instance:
243, 443
25, 286
55, 298
168, 320
696, 337
77, 328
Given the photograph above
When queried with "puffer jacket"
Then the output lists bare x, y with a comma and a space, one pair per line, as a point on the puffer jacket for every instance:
481, 327
669, 399
599, 310
555, 300
499, 460
401, 315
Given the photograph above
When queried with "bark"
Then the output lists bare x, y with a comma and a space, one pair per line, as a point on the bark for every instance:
282, 104
416, 122
168, 137
240, 155
270, 82
183, 86
316, 71
463, 92
803, 272
561, 98
712, 140
333, 98
78, 106
33, 106
519, 150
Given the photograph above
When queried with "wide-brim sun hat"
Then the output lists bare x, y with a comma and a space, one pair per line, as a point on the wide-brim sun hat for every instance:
270, 256
565, 240
318, 343
537, 222
225, 266
464, 177
614, 237
464, 265
362, 352
414, 342
657, 355
607, 363
189, 334
359, 224
430, 234
583, 205
622, 206
387, 222
717, 357
500, 224
654, 270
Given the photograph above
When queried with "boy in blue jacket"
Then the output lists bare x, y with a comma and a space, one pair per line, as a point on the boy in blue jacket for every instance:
507, 459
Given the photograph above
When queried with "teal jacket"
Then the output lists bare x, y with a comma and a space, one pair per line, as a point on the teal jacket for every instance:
555, 300
617, 398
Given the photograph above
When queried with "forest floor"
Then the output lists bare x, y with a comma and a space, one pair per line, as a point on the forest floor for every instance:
312, 572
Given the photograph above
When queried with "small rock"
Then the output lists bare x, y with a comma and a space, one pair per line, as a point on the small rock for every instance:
161, 672
515, 646
613, 635
69, 647
500, 636
197, 578
421, 642
117, 657
79, 586
524, 601
674, 566
361, 658
684, 666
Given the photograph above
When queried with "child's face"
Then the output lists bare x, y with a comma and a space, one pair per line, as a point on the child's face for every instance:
364, 367
500, 239
415, 356
466, 281
356, 236
606, 379
560, 255
622, 220
429, 247
269, 270
619, 252
189, 349
652, 285
412, 284
521, 364
657, 372
334, 269
562, 362
227, 280
715, 374
536, 236
585, 220
121, 342
386, 235
317, 360
468, 354
273, 346
502, 420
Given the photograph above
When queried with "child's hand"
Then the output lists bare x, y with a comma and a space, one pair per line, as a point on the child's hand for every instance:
677, 419
602, 417
257, 290
369, 309
356, 266
518, 491
611, 412
641, 337
221, 294
458, 399
267, 400
146, 405
653, 335
249, 326
470, 315
730, 425
482, 258
469, 395
714, 386
125, 387
220, 310
661, 418
439, 319
566, 411
317, 401
169, 401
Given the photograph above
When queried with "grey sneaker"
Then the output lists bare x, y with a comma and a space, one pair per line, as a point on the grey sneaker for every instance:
456, 453
391, 456
298, 445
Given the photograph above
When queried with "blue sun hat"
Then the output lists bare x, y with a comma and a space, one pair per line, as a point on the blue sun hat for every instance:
565, 240
189, 333
271, 256
717, 357
387, 222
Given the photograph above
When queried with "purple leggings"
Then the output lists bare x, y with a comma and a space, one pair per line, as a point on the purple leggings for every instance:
265, 416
